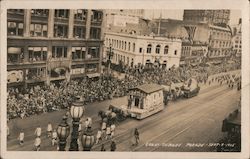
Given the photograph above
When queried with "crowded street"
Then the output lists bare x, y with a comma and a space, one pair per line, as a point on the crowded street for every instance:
182, 123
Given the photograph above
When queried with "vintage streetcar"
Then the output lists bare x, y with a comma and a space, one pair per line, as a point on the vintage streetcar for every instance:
231, 126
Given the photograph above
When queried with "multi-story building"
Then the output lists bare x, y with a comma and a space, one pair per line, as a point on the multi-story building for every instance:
220, 45
50, 45
236, 40
214, 17
134, 50
215, 41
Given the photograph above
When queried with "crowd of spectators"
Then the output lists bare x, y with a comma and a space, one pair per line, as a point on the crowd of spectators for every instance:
42, 99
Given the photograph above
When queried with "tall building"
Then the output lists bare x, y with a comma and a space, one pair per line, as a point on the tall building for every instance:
215, 17
50, 45
236, 40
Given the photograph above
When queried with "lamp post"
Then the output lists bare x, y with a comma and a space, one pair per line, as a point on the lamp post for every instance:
63, 131
88, 139
76, 112
110, 54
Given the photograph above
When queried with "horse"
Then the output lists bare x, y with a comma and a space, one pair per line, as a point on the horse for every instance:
102, 114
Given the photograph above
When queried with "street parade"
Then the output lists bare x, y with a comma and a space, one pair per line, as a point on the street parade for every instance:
127, 84
42, 99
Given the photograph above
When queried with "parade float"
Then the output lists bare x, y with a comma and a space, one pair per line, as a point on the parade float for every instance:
143, 101
190, 88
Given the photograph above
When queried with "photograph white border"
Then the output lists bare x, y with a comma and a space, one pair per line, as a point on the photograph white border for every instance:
129, 4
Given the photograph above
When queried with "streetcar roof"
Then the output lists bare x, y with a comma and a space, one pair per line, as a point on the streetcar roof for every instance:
235, 118
149, 88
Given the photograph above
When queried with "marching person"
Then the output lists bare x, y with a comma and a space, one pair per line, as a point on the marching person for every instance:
21, 138
49, 129
80, 126
38, 131
113, 146
103, 148
136, 134
104, 126
112, 128
87, 123
98, 136
90, 122
54, 137
37, 143
108, 133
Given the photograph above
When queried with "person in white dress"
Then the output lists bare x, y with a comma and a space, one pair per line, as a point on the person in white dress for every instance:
38, 131
112, 130
87, 123
37, 143
104, 126
21, 138
98, 136
54, 137
108, 133
49, 129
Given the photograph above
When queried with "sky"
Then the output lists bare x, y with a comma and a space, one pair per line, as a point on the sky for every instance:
178, 14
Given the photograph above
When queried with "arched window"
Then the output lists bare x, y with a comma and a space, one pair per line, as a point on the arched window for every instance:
157, 49
133, 47
166, 49
128, 46
122, 44
125, 45
149, 48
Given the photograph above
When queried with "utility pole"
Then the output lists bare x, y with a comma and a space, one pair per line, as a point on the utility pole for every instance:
110, 54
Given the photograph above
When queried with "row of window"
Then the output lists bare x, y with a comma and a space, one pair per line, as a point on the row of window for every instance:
218, 53
122, 58
79, 14
126, 46
38, 54
120, 44
215, 43
39, 73
41, 30
221, 35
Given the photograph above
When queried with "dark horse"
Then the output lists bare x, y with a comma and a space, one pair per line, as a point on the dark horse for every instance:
102, 114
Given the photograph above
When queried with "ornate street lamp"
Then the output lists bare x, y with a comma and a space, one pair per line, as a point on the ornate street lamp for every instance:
76, 112
88, 139
110, 54
63, 131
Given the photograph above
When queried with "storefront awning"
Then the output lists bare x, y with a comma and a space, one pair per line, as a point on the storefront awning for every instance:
14, 50
92, 75
59, 69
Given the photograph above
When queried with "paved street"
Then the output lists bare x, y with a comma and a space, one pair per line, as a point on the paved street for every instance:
183, 126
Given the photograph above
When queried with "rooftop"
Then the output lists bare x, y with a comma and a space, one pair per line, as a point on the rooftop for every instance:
149, 88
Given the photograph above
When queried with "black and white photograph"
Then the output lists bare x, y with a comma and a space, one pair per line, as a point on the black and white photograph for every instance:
123, 80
